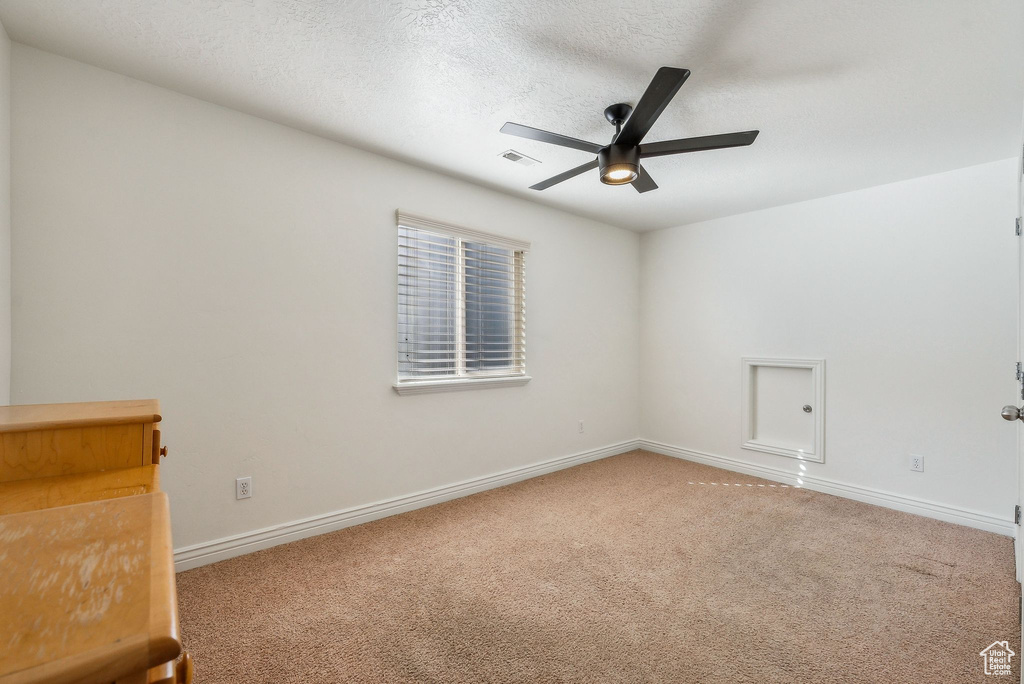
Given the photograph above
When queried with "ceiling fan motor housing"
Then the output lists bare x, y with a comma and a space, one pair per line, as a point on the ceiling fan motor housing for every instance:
619, 164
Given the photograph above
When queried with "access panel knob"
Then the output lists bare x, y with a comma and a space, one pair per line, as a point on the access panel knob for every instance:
1011, 413
163, 451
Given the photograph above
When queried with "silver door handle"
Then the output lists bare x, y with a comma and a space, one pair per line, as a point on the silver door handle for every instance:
1012, 413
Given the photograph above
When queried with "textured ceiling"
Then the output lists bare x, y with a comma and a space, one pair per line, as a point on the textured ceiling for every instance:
846, 94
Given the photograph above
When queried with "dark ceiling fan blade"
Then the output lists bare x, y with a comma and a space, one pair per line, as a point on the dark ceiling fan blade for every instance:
548, 137
706, 142
555, 180
644, 182
659, 93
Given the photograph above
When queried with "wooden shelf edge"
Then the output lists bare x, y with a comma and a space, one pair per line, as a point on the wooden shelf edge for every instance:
23, 418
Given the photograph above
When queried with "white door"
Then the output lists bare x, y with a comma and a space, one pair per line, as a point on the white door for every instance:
1018, 543
1015, 411
778, 416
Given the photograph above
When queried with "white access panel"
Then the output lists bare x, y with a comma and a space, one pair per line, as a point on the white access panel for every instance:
784, 407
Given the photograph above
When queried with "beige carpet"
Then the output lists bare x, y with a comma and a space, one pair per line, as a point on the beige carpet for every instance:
636, 568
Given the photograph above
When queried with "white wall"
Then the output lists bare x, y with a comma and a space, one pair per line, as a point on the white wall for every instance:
5, 217
907, 290
244, 273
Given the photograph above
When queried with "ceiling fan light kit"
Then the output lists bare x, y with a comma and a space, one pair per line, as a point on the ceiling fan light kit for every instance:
619, 164
619, 161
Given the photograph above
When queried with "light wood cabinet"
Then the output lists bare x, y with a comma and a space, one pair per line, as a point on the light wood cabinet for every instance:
80, 494
46, 440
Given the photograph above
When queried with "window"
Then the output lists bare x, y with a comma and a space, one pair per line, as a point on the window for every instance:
461, 307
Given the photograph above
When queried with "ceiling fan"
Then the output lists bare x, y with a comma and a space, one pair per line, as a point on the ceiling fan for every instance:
619, 161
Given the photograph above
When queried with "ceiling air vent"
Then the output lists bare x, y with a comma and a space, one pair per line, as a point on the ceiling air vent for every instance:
519, 158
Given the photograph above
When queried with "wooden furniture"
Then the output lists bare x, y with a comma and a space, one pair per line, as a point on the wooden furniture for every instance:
87, 590
45, 440
65, 490
95, 599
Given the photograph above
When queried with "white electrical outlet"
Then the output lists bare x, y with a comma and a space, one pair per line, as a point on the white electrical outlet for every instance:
243, 487
581, 427
917, 463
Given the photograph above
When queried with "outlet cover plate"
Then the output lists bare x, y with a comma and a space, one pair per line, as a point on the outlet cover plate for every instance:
243, 487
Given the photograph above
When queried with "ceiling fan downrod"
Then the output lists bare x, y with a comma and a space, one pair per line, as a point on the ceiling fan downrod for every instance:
617, 115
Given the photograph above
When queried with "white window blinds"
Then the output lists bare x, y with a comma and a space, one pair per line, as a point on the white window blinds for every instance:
461, 303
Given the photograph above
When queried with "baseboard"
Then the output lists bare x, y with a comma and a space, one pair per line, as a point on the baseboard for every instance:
908, 504
247, 542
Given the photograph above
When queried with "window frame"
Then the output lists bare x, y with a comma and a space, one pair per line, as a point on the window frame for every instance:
463, 379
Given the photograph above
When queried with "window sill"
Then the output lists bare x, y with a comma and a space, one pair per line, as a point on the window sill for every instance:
425, 386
